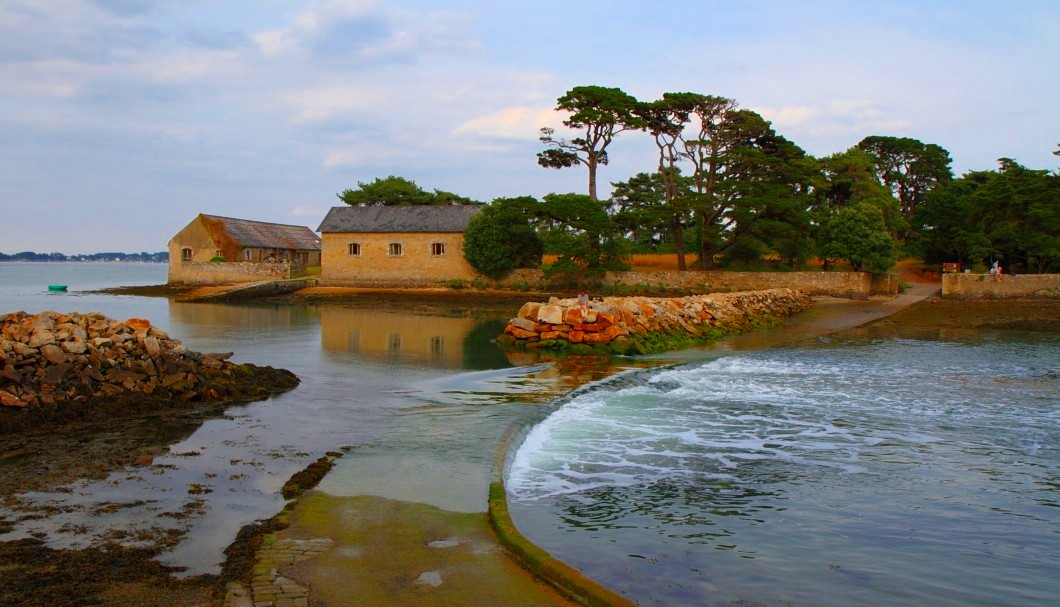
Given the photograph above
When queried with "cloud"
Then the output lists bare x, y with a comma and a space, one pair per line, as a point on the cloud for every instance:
787, 116
323, 103
518, 122
364, 33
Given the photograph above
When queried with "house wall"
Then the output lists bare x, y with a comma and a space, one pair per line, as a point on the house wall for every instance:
264, 254
195, 237
374, 265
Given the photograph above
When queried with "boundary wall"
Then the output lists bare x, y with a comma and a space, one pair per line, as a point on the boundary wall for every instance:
839, 284
985, 286
228, 272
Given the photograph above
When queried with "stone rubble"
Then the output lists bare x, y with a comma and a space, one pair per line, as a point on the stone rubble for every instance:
621, 323
52, 360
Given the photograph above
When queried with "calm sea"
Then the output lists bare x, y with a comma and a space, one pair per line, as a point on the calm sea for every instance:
854, 471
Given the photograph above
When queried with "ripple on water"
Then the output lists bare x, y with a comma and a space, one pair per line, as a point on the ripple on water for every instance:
911, 466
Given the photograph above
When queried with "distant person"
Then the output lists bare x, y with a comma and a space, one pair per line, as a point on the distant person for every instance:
583, 303
999, 274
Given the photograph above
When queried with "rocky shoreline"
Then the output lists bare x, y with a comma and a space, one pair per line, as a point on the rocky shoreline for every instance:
59, 367
643, 325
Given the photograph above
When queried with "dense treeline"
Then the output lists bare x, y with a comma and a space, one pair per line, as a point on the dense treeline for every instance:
728, 191
161, 257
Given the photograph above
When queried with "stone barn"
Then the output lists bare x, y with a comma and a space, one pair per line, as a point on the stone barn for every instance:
395, 245
251, 250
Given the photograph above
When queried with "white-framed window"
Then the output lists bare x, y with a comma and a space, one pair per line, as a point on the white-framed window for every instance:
437, 249
185, 254
353, 249
394, 249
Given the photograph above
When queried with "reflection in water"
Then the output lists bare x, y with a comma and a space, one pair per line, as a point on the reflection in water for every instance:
395, 337
246, 319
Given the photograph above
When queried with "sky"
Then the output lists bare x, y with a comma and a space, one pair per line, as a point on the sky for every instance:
121, 120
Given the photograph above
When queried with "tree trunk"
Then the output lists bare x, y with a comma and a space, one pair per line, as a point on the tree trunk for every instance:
706, 250
592, 177
679, 242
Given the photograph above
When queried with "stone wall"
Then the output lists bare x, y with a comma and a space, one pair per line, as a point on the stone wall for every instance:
373, 264
227, 272
638, 325
840, 284
985, 286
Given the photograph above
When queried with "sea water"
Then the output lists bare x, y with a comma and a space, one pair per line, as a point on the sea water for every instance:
24, 287
849, 472
417, 400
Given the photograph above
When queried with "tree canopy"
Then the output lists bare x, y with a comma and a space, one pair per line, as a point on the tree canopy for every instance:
858, 234
397, 191
501, 237
1012, 214
579, 230
727, 184
599, 113
909, 167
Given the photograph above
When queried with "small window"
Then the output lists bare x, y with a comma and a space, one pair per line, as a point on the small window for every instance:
394, 342
437, 249
217, 253
437, 345
185, 254
246, 254
394, 249
354, 249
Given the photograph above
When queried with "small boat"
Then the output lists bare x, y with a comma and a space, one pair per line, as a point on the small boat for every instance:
57, 287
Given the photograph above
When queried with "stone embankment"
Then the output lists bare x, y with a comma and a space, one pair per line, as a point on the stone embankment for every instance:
641, 325
62, 366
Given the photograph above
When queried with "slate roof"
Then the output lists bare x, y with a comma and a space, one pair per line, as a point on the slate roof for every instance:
265, 235
412, 218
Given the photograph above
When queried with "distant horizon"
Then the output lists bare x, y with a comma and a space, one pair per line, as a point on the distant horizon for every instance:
39, 257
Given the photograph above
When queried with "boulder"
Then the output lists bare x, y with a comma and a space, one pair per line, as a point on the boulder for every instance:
550, 314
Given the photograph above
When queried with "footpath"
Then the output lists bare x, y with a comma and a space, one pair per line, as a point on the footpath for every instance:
366, 550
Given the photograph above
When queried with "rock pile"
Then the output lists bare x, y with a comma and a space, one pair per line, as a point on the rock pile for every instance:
634, 325
80, 361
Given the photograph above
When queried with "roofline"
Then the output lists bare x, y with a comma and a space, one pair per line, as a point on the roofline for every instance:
269, 223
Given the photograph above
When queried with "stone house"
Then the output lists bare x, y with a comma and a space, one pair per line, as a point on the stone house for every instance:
400, 245
253, 250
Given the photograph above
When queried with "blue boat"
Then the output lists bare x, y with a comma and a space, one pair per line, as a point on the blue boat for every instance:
57, 287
